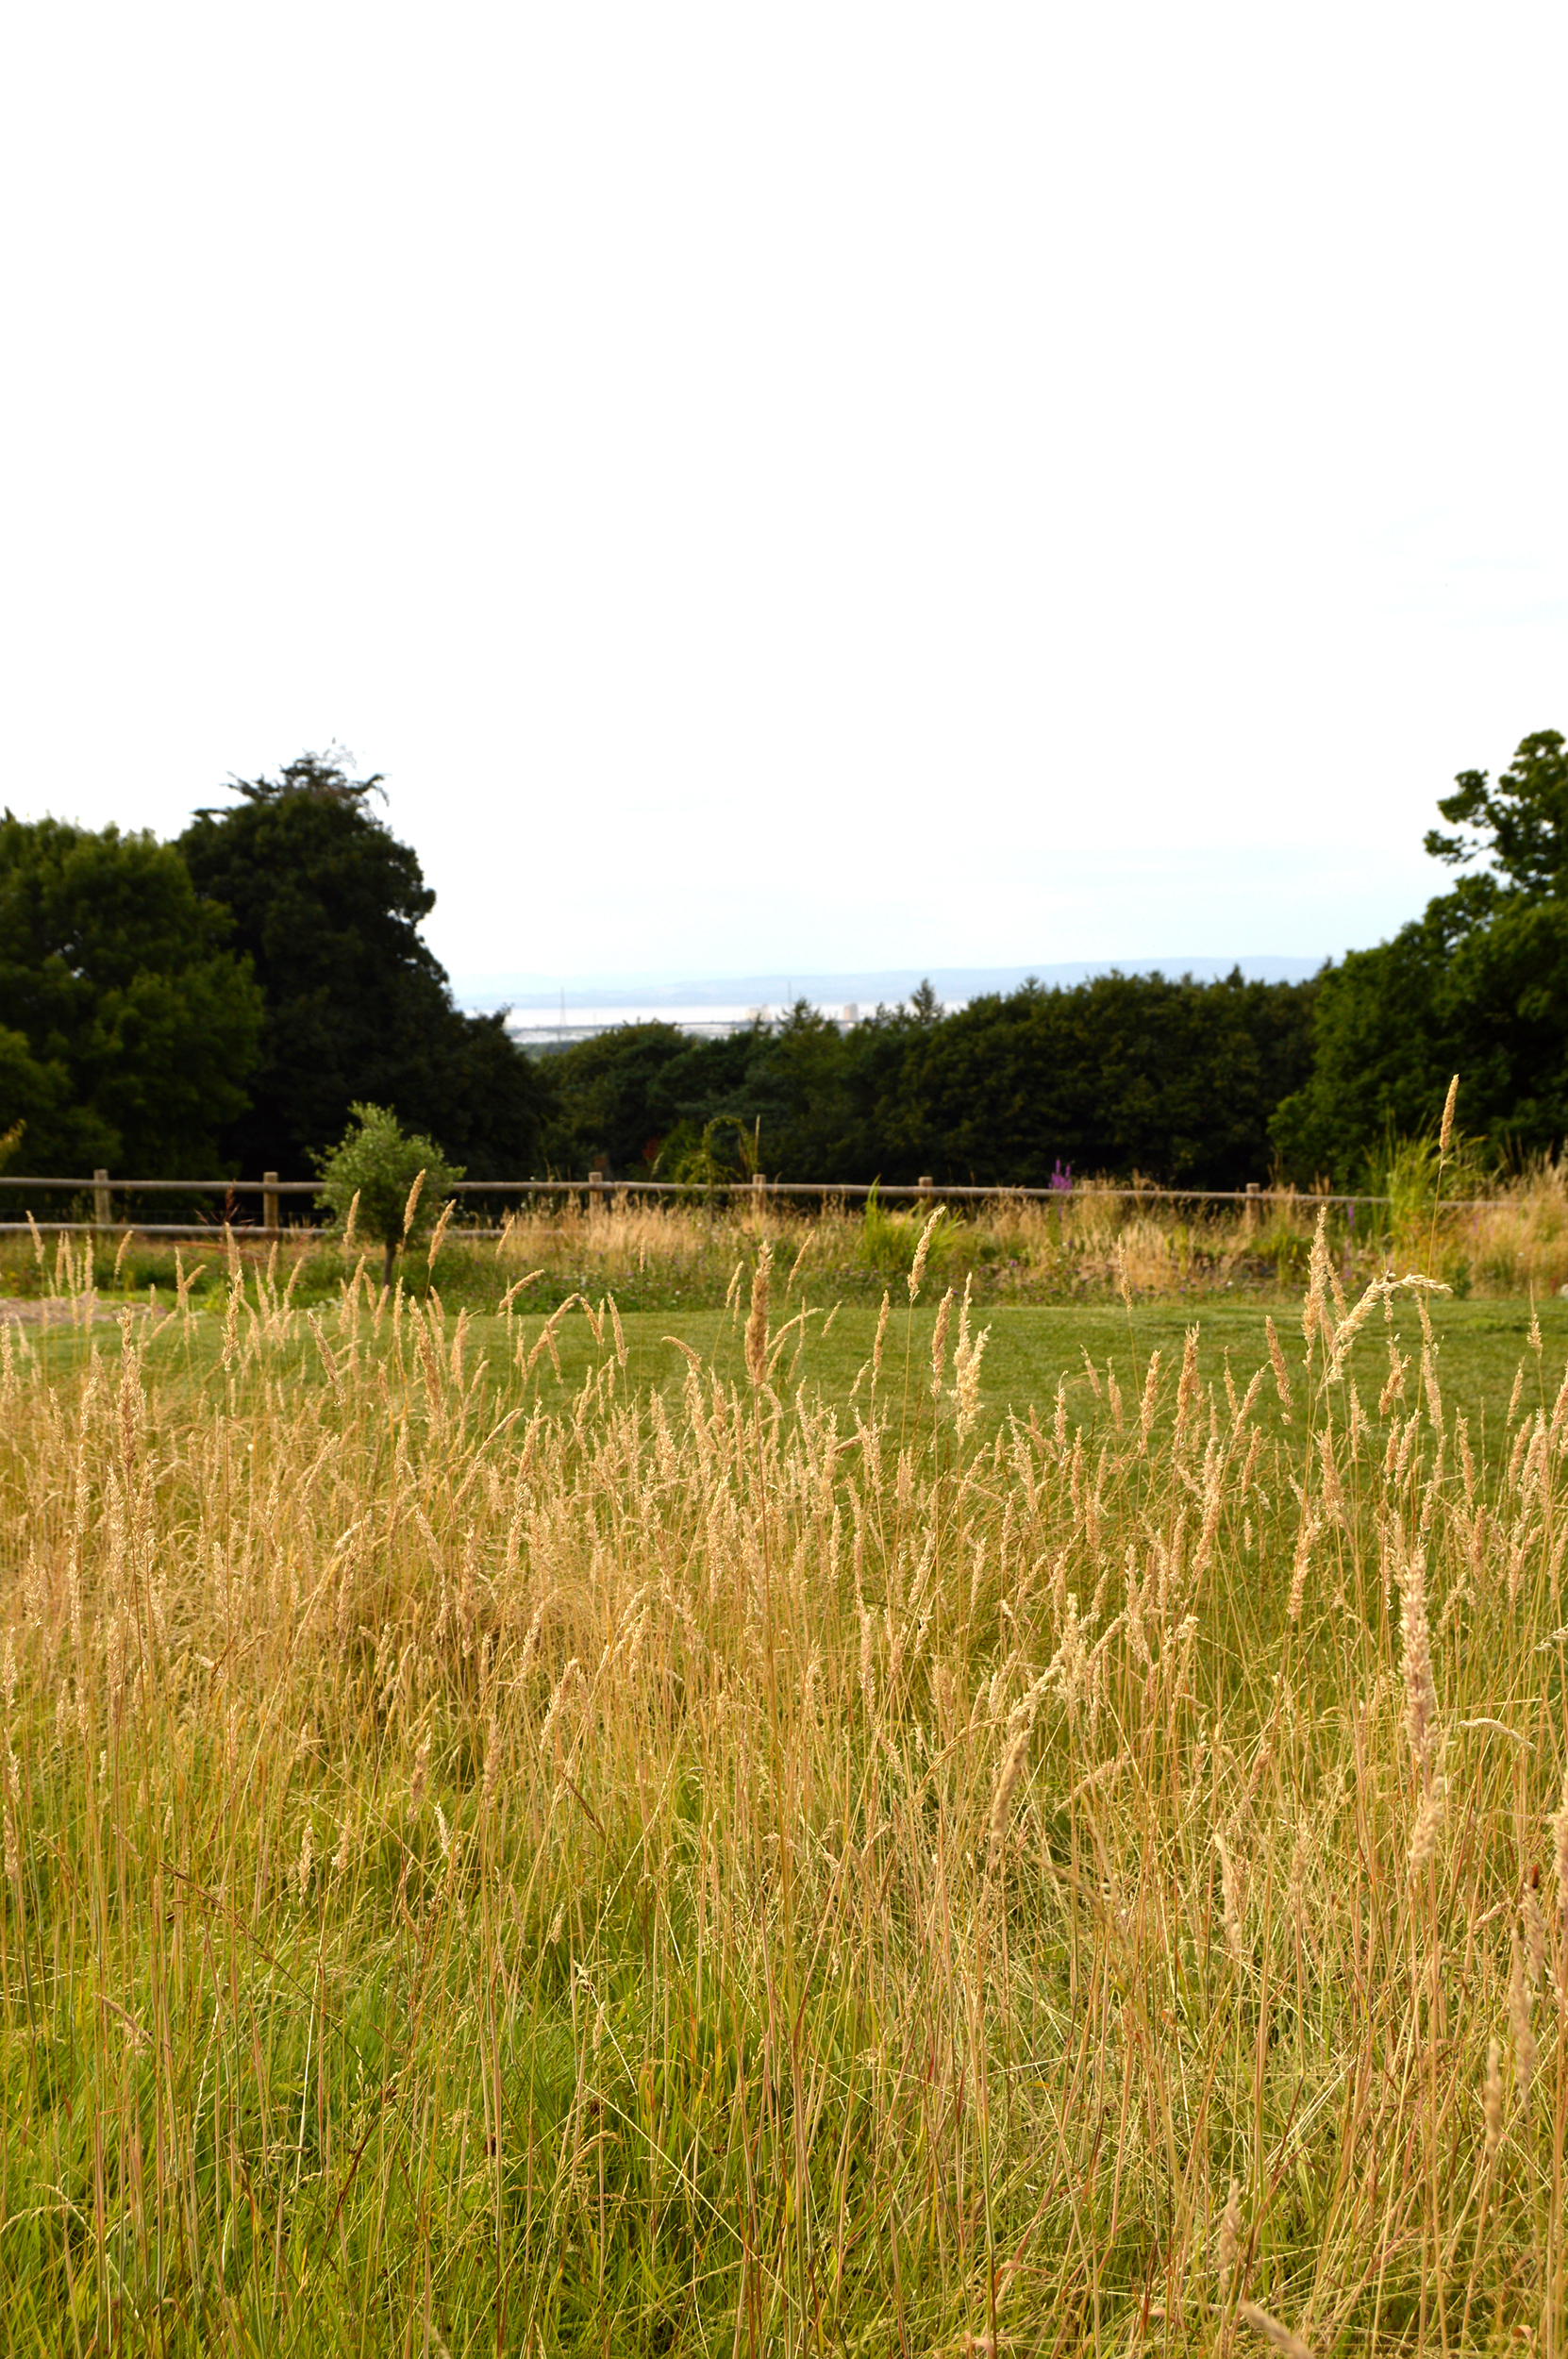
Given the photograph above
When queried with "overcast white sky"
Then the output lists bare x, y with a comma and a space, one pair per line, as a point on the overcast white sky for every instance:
819, 486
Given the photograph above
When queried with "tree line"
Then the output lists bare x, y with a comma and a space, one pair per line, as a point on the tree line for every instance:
218, 1004
1173, 1078
214, 1006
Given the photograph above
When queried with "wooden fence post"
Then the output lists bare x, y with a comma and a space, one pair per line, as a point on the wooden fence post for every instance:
759, 1189
100, 1198
596, 1190
924, 1183
1254, 1203
269, 1202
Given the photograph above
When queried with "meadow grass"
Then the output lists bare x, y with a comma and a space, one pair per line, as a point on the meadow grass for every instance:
1078, 1248
708, 1849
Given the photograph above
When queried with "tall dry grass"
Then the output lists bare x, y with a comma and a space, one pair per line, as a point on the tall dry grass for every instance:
727, 1876
1513, 1240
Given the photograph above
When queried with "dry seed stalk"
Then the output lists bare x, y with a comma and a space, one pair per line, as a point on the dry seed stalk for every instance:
757, 1321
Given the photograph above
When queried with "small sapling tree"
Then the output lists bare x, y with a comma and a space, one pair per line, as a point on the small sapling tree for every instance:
393, 1181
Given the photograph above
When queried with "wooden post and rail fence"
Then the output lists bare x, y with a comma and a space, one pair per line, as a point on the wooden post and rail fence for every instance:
598, 1190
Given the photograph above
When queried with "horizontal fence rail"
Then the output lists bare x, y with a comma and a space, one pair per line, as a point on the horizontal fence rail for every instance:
597, 1188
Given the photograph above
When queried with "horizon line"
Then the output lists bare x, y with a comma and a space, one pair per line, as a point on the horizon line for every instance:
779, 986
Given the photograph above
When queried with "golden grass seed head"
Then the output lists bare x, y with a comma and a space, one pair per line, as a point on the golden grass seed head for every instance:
1271, 2330
1491, 2097
1445, 1129
939, 1342
881, 1337
1014, 1762
1559, 1823
757, 1321
1421, 1704
966, 1372
1428, 1826
1352, 1323
1281, 1374
1306, 1533
1227, 2244
421, 1774
1535, 1936
1244, 1408
1314, 1309
1146, 1406
1186, 1387
923, 1246
439, 1234
1230, 1900
1521, 2030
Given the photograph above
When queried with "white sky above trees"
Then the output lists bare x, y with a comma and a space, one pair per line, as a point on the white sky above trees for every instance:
825, 486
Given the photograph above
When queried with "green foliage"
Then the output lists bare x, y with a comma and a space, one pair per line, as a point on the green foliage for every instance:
328, 904
1521, 827
1175, 1079
611, 1110
1408, 1173
378, 1162
1477, 986
701, 1161
889, 1239
128, 1026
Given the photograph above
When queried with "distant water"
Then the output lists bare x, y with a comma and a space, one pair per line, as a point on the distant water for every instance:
576, 1007
574, 1019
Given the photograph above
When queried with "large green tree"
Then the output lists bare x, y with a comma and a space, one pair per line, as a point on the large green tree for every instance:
329, 905
128, 1025
1477, 985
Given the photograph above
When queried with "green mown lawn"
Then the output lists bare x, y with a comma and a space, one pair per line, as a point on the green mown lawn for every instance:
1030, 1347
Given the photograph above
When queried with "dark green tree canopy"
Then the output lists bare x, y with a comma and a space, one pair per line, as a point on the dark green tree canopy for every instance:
1171, 1078
317, 775
1160, 1075
1520, 826
1476, 986
128, 1025
612, 1116
329, 905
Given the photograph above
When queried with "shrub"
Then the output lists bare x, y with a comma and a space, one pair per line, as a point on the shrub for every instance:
385, 1181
